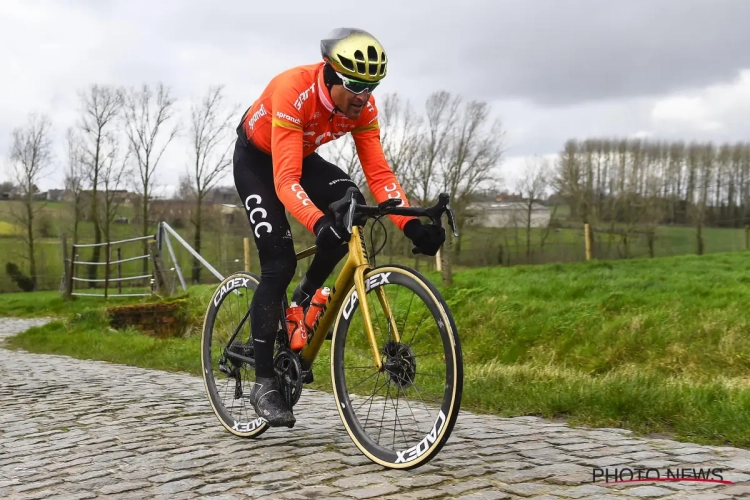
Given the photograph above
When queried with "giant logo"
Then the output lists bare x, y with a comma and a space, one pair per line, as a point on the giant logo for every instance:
303, 96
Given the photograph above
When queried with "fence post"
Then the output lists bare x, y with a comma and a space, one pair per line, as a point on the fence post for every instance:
106, 270
247, 253
587, 231
119, 271
161, 284
438, 262
71, 272
64, 241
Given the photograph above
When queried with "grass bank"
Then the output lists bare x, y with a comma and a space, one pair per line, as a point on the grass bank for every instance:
653, 345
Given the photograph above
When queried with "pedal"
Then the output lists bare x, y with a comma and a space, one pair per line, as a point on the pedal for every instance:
307, 376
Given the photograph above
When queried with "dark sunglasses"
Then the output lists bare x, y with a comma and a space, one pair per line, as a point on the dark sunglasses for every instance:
355, 86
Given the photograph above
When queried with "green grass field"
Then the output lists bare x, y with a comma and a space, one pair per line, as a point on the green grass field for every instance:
654, 345
223, 246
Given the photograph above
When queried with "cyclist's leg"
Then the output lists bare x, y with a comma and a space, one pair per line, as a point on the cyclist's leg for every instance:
253, 177
324, 183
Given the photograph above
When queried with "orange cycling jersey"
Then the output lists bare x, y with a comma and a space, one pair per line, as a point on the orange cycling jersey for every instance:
293, 117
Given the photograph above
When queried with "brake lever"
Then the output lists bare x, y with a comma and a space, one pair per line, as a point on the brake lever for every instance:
349, 217
451, 220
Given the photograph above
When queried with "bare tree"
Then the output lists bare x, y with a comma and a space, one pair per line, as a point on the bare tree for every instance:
210, 133
701, 159
441, 111
533, 186
434, 132
145, 119
474, 150
31, 157
114, 175
400, 136
100, 106
75, 174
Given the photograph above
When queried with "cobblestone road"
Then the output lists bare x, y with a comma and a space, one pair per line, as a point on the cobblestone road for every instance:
85, 429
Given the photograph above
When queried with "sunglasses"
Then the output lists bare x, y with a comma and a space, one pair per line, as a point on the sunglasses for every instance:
355, 86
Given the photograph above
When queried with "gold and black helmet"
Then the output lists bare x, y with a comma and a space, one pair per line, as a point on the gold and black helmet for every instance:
355, 53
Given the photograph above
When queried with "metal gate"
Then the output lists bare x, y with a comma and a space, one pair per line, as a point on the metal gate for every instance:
108, 280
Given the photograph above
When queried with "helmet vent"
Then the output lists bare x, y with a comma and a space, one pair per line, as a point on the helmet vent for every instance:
358, 55
361, 67
372, 54
346, 62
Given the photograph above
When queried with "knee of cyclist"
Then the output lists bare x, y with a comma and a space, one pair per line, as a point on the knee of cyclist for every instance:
281, 268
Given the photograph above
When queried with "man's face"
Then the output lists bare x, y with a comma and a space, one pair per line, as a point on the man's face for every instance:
349, 103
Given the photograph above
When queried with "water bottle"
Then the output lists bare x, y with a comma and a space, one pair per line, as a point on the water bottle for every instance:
316, 306
295, 324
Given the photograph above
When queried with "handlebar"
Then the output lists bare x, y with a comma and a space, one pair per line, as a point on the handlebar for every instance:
349, 213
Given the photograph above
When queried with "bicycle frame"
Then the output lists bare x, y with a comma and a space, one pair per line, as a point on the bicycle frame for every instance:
354, 269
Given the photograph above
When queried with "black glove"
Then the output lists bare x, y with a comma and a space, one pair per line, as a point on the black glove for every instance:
328, 235
427, 238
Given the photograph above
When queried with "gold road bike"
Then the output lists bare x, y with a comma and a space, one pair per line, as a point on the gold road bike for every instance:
396, 362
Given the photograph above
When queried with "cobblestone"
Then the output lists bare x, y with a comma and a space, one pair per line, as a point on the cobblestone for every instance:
77, 429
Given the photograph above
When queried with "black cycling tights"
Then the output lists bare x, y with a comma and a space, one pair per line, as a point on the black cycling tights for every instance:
324, 183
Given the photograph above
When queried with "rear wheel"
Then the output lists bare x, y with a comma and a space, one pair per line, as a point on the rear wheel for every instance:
401, 415
227, 381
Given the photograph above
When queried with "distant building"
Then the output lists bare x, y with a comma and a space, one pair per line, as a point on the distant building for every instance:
506, 214
54, 195
222, 195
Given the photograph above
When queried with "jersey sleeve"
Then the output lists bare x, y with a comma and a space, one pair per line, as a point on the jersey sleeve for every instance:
380, 178
286, 151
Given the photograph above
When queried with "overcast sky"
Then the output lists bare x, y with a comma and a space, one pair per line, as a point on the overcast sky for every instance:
551, 69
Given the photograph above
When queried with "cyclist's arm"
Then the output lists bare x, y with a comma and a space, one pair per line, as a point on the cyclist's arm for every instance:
286, 150
380, 178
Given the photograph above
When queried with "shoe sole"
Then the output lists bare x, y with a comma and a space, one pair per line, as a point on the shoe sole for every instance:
280, 424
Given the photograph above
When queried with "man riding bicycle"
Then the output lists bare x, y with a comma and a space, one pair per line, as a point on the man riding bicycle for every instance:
276, 168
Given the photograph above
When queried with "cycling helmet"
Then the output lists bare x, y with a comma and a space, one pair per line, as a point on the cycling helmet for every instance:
354, 53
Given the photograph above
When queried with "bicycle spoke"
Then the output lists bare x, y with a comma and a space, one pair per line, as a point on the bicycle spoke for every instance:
411, 342
416, 369
368, 411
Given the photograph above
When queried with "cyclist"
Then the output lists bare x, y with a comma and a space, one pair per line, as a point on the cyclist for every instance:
277, 169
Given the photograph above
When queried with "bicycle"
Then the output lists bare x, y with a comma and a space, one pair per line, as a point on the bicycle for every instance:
391, 366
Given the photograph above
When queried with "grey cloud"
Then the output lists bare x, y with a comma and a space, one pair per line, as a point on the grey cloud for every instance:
550, 52
561, 52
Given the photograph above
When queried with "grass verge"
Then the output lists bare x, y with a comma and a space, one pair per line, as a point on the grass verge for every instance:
652, 345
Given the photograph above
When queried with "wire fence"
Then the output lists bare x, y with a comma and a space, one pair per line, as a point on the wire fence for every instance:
130, 270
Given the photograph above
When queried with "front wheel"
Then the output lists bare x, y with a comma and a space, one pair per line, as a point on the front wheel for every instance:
401, 415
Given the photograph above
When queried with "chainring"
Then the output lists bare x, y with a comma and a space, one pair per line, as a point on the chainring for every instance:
288, 369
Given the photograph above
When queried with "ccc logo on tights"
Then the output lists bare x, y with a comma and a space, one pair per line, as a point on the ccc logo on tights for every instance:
255, 210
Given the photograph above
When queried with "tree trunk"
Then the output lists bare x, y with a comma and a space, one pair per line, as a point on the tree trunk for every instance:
96, 251
197, 240
144, 210
446, 254
650, 236
528, 234
30, 234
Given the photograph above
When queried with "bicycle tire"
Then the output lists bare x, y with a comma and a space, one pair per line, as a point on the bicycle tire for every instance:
252, 427
426, 448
